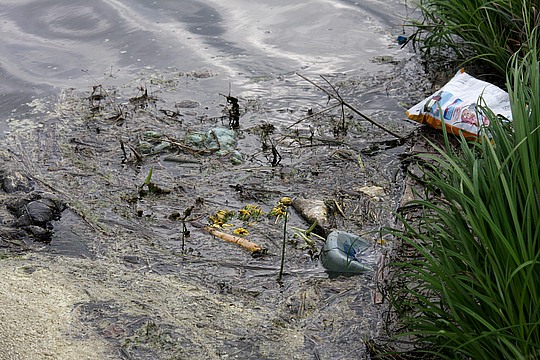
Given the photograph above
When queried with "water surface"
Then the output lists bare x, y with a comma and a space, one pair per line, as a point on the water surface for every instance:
144, 294
253, 46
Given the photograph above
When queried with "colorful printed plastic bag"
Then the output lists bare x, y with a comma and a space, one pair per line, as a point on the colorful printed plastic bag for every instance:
457, 105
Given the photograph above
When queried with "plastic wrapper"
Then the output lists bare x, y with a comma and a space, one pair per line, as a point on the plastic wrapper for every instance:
460, 106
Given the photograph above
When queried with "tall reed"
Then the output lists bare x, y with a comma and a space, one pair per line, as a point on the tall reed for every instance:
489, 31
474, 292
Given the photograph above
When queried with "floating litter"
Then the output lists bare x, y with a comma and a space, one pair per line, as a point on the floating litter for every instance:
341, 253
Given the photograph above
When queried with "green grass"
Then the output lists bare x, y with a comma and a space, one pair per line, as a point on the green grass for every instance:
489, 32
474, 291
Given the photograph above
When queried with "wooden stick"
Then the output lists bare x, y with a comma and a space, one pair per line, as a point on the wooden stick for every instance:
246, 244
338, 98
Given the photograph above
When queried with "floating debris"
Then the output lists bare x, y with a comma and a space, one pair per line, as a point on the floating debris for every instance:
219, 140
374, 192
25, 214
241, 231
313, 211
342, 251
250, 212
221, 217
187, 104
280, 210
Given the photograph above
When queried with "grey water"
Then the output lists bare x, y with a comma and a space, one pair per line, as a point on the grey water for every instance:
253, 47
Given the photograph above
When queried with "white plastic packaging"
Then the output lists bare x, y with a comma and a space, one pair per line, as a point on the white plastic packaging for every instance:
458, 105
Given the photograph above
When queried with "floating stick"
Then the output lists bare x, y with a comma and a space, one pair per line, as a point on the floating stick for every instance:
246, 244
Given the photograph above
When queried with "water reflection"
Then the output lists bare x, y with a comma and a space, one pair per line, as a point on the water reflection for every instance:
253, 45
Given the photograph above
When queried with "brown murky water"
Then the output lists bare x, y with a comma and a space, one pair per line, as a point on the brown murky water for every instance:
88, 93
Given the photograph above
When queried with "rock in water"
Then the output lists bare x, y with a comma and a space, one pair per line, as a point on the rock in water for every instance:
39, 212
25, 214
15, 181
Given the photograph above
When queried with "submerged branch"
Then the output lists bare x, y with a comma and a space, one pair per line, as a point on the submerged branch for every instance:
350, 107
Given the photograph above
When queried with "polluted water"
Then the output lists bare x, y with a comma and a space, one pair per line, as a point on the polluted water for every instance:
153, 142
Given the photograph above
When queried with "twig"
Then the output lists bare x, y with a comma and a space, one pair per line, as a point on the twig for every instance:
341, 101
314, 114
246, 244
286, 202
175, 142
378, 296
136, 153
69, 203
338, 98
326, 142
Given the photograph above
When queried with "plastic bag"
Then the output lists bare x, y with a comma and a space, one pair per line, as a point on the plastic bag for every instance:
459, 105
223, 141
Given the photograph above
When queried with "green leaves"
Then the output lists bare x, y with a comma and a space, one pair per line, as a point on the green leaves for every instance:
475, 291
489, 31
